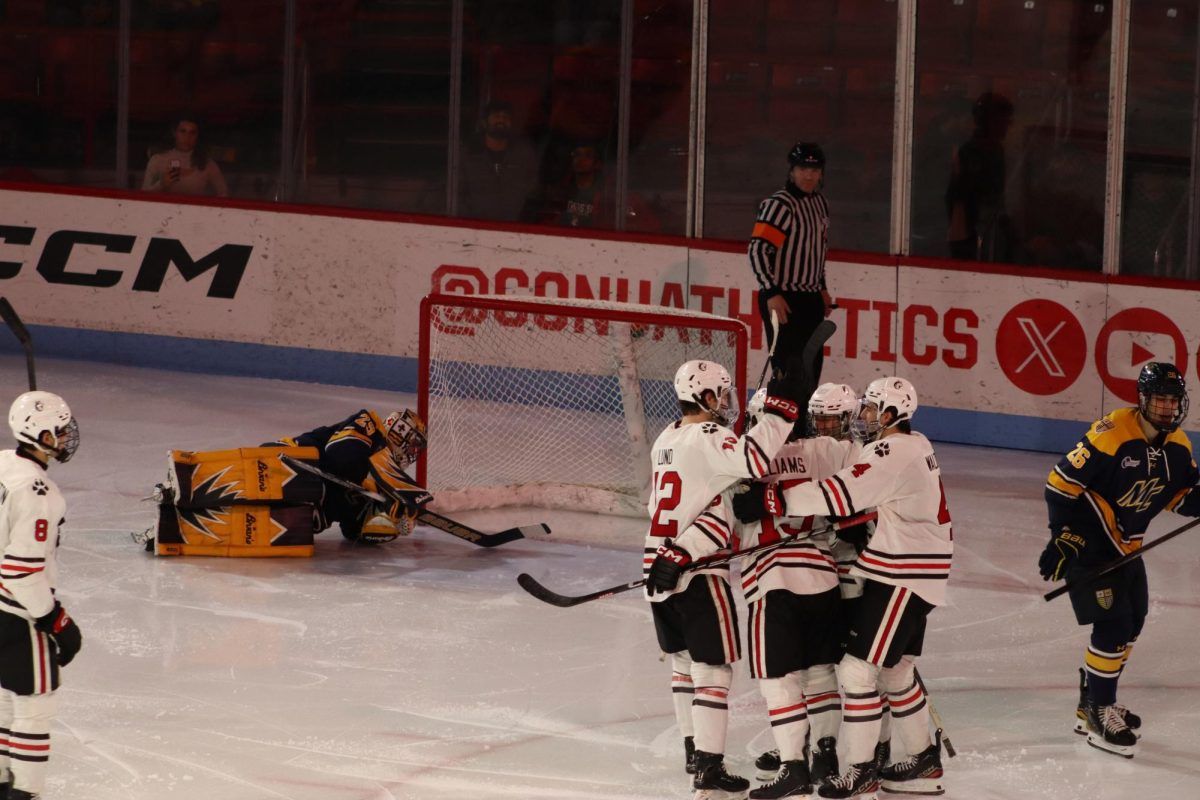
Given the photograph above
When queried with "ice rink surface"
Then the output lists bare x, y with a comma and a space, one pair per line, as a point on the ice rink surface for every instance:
420, 670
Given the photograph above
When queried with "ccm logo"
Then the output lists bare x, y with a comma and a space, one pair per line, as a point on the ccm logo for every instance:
227, 263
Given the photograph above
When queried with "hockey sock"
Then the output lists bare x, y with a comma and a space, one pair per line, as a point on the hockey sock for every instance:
1125, 659
861, 709
1103, 669
6, 715
682, 691
910, 709
885, 720
788, 714
29, 740
710, 706
820, 688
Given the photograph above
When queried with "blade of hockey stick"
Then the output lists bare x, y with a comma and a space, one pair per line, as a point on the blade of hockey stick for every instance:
531, 585
935, 716
430, 518
13, 321
1120, 562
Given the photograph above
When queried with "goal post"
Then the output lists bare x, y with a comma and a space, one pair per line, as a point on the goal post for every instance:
555, 402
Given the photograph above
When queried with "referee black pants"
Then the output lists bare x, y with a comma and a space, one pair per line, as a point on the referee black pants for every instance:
807, 311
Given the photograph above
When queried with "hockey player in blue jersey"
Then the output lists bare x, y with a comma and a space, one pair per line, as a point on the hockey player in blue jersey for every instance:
1101, 496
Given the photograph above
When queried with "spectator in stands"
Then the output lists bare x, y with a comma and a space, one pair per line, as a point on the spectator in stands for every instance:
186, 168
498, 173
585, 197
980, 228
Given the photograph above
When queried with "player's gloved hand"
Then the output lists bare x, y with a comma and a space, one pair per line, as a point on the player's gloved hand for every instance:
63, 631
795, 384
668, 565
761, 500
1062, 550
856, 535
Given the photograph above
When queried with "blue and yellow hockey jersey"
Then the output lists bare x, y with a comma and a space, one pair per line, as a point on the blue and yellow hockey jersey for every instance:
1116, 481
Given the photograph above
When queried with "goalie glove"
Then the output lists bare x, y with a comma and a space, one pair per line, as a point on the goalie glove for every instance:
669, 563
63, 631
1059, 554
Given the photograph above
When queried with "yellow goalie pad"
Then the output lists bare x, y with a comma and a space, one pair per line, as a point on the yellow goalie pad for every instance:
217, 478
248, 530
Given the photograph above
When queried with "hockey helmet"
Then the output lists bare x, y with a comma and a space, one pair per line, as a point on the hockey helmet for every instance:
36, 413
806, 154
830, 410
1159, 380
695, 378
405, 433
892, 394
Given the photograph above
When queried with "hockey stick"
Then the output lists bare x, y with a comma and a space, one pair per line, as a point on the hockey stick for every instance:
771, 351
935, 716
1120, 562
424, 515
18, 328
531, 585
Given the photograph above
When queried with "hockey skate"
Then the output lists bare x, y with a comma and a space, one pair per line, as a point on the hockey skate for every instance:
767, 765
883, 754
917, 774
792, 780
1131, 719
689, 755
1107, 731
712, 782
825, 761
859, 781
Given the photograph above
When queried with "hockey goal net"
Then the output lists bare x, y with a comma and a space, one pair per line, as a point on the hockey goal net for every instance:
553, 402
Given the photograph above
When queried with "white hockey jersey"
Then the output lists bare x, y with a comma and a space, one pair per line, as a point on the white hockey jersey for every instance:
31, 511
807, 565
913, 544
694, 465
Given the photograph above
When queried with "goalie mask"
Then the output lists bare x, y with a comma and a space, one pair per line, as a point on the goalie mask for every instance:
892, 394
695, 378
34, 414
1162, 396
405, 433
830, 410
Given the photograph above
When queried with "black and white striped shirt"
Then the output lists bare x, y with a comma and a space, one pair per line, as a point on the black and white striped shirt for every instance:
789, 241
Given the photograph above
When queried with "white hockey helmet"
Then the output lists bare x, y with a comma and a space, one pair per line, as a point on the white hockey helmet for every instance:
830, 410
405, 433
695, 378
893, 394
35, 413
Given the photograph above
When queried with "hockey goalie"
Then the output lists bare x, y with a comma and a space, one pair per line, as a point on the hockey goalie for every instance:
250, 502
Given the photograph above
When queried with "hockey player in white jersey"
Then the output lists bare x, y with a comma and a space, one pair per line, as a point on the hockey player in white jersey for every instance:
695, 462
793, 636
905, 567
37, 636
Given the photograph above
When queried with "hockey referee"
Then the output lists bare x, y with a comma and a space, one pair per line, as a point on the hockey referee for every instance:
787, 253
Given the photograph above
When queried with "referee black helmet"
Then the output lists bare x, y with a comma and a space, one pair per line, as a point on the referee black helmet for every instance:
806, 154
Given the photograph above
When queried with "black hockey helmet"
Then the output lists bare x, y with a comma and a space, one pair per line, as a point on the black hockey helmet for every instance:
1162, 379
806, 154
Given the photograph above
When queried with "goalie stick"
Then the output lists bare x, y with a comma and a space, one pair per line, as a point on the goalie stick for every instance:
9, 314
531, 585
425, 516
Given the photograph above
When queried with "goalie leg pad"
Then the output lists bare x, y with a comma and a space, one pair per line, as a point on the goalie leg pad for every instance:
246, 475
235, 531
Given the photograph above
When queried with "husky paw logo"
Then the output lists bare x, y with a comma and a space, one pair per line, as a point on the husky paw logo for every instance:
709, 427
40, 487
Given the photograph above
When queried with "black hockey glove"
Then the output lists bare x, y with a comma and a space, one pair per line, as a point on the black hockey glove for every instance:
759, 501
1063, 549
668, 565
795, 384
856, 535
63, 631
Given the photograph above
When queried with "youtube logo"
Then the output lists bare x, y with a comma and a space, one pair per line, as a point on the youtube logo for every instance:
1131, 339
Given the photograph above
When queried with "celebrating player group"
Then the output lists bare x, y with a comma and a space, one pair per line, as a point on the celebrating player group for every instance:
833, 596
